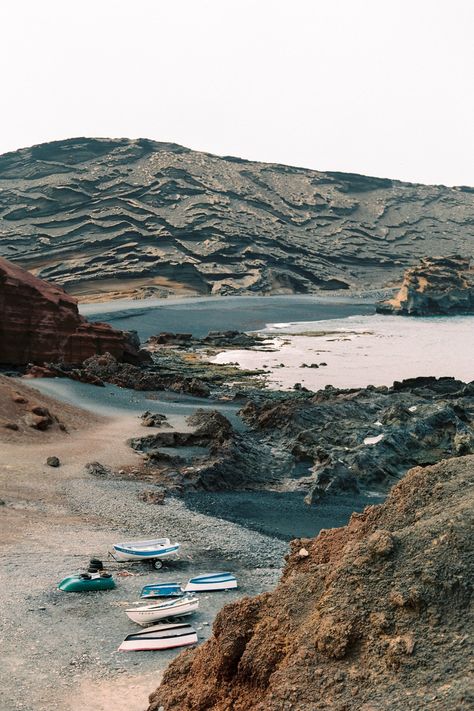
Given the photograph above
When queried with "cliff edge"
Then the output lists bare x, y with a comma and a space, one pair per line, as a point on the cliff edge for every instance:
40, 323
371, 616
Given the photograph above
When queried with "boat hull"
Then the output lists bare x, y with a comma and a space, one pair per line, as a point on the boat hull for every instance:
123, 553
152, 613
208, 583
160, 637
74, 583
162, 590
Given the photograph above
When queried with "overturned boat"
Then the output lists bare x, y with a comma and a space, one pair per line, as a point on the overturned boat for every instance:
160, 637
211, 581
153, 550
162, 590
147, 614
87, 582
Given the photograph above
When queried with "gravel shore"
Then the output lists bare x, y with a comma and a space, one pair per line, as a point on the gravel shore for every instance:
58, 649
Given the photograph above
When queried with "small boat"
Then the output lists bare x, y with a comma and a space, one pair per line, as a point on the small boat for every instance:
87, 582
211, 581
162, 590
160, 637
147, 614
153, 550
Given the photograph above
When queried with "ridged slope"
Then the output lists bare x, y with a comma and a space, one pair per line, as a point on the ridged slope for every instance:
102, 215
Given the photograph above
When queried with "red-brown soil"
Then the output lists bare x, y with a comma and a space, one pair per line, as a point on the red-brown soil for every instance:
372, 616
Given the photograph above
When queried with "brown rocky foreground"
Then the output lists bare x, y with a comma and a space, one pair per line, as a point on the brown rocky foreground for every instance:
40, 323
437, 286
372, 616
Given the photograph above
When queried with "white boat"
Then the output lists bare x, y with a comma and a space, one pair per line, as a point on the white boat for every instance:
211, 581
147, 614
153, 550
160, 637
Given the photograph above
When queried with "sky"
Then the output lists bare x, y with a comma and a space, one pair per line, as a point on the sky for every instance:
367, 86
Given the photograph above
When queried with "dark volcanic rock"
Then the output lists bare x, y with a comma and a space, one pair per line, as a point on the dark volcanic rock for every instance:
437, 286
210, 423
367, 438
217, 339
39, 323
156, 419
373, 616
53, 462
98, 370
140, 217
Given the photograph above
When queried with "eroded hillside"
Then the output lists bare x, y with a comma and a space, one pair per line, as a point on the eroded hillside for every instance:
372, 616
117, 217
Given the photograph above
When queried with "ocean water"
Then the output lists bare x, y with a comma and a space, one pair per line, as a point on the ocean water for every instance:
360, 350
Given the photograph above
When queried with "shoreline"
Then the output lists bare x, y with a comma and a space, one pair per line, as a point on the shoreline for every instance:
64, 516
89, 308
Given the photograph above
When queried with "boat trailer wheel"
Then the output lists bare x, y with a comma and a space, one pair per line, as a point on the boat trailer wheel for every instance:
157, 564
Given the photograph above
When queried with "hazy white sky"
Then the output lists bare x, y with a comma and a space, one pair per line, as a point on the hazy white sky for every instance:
381, 87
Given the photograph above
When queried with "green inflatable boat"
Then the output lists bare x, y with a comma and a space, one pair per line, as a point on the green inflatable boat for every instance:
87, 582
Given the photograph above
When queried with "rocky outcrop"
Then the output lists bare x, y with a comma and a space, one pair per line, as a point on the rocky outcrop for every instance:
214, 339
366, 438
369, 617
436, 286
113, 217
39, 323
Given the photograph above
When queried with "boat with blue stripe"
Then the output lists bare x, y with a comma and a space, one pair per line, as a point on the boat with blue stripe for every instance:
211, 581
153, 550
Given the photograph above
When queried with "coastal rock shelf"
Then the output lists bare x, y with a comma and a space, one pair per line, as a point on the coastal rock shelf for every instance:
437, 286
374, 615
110, 218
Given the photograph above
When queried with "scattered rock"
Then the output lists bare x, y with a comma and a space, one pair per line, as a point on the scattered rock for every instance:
19, 399
53, 462
9, 425
98, 470
153, 419
37, 422
151, 496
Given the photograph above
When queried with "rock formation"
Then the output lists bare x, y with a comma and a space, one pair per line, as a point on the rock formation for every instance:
369, 617
438, 285
107, 217
365, 438
40, 323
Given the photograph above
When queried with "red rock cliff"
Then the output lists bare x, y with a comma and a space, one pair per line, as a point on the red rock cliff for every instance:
40, 322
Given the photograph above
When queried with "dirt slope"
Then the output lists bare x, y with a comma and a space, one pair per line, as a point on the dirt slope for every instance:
372, 616
118, 216
19, 423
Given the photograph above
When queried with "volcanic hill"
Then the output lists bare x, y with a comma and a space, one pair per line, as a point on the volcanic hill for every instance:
115, 217
369, 617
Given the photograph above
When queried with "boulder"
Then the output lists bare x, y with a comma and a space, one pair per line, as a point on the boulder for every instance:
53, 462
